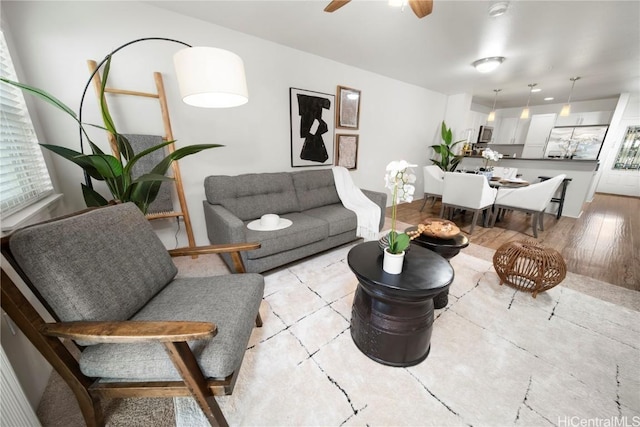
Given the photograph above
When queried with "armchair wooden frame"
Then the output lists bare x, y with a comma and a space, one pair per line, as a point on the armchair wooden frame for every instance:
54, 342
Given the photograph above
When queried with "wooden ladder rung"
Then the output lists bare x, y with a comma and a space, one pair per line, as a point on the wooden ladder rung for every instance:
164, 215
131, 92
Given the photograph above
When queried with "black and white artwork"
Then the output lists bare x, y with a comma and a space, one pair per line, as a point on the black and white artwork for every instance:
312, 128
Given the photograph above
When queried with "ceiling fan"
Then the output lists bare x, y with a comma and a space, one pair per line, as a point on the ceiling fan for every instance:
421, 8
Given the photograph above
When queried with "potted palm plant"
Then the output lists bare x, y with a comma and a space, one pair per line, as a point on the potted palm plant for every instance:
114, 170
448, 160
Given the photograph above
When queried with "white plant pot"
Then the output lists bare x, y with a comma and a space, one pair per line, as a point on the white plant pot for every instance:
392, 263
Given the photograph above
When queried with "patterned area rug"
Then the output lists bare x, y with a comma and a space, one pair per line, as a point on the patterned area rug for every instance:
498, 357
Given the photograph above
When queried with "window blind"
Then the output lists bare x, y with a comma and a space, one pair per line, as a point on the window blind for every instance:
24, 178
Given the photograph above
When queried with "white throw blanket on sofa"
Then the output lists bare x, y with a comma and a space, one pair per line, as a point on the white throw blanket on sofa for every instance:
367, 212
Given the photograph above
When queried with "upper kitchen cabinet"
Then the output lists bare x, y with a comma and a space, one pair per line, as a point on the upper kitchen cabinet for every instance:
510, 130
585, 119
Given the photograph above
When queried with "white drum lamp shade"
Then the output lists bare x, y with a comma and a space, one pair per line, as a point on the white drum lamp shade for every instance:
210, 77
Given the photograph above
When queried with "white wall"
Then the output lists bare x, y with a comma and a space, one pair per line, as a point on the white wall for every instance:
54, 39
608, 180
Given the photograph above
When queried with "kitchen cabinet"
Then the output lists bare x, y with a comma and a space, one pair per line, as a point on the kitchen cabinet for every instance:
585, 119
510, 130
537, 135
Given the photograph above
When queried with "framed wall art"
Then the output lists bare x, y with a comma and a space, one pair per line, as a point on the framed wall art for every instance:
347, 151
312, 127
348, 108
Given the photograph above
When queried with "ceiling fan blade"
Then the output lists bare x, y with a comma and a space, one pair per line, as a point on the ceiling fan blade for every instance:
335, 5
421, 8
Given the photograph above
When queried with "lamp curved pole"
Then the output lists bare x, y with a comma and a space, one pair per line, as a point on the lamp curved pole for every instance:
87, 178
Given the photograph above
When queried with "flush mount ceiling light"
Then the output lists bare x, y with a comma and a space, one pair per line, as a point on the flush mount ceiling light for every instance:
498, 9
486, 65
492, 114
525, 112
566, 108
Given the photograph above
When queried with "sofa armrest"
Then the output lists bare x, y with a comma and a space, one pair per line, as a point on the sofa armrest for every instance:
379, 199
223, 227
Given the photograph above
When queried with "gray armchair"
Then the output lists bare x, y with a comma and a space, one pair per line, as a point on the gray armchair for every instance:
110, 284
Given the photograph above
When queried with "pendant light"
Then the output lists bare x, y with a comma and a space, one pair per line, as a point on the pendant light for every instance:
525, 112
492, 114
566, 108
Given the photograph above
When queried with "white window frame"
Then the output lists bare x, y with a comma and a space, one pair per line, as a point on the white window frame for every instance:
24, 177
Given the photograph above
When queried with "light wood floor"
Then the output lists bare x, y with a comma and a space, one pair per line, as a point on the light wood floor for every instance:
604, 243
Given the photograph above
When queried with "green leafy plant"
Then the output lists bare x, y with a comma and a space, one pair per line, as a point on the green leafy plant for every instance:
114, 170
448, 160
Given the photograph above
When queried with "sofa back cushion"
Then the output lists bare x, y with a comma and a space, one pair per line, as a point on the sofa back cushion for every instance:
105, 264
315, 188
252, 195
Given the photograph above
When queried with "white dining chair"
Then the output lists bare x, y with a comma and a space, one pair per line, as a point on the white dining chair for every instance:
433, 183
467, 192
532, 199
505, 173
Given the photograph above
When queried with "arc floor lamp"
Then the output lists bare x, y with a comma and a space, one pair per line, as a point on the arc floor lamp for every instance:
207, 77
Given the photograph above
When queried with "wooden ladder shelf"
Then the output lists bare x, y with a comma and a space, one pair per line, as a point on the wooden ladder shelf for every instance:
161, 97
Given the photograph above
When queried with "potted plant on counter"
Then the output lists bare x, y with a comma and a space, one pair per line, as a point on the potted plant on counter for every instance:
448, 160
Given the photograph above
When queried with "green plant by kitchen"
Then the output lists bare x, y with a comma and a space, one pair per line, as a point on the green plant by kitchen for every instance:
448, 160
111, 169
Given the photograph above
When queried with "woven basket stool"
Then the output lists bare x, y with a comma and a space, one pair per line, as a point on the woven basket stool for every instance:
528, 266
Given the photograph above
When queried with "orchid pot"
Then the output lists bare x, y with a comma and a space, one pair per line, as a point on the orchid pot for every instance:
392, 263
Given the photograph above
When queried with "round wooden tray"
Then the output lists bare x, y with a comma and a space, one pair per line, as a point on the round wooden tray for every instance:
439, 228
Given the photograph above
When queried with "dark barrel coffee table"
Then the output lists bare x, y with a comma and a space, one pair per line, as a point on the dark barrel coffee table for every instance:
448, 248
392, 314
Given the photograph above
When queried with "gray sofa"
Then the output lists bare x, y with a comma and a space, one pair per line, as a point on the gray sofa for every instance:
308, 198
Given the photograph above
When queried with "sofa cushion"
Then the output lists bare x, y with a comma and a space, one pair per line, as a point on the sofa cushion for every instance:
250, 196
229, 301
340, 219
315, 188
114, 264
303, 231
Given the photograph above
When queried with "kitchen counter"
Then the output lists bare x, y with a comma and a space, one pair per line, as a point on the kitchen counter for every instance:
581, 172
551, 159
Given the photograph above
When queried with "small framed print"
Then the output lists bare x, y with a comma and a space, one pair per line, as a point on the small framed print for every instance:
348, 108
347, 151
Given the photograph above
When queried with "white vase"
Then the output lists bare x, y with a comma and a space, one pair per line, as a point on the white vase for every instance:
392, 263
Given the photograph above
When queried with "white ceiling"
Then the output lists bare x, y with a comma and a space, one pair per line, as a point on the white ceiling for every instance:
545, 42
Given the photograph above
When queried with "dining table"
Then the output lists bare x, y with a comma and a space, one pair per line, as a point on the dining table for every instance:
508, 183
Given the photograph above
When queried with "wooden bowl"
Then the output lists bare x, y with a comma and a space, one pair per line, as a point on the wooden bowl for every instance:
439, 228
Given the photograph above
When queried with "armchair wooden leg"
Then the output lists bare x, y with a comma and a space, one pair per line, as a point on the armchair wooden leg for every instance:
187, 365
91, 408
